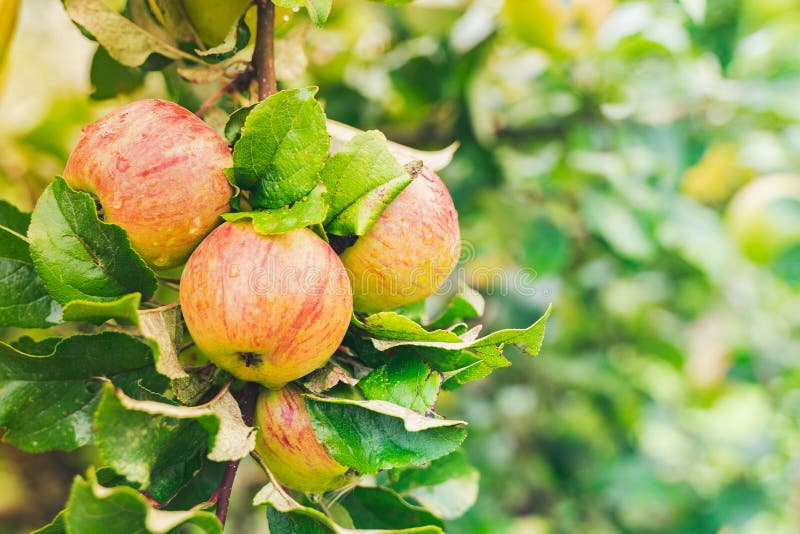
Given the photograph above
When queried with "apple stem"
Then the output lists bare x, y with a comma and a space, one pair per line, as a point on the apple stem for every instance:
247, 403
264, 52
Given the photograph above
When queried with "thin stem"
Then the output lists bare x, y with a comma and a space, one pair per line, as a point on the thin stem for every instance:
237, 84
264, 53
248, 406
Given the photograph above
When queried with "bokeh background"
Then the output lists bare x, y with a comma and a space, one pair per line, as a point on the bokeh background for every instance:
615, 148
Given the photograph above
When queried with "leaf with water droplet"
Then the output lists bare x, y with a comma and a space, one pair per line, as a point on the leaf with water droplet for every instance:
307, 211
80, 257
50, 391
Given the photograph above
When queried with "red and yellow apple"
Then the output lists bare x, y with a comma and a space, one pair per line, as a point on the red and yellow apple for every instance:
409, 252
157, 171
267, 309
763, 216
287, 444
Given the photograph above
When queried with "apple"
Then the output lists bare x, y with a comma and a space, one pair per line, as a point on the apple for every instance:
409, 251
764, 216
267, 309
287, 444
157, 171
213, 19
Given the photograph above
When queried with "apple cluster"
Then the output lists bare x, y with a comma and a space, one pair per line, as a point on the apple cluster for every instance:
266, 308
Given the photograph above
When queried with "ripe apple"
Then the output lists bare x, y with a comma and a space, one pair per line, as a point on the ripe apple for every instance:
267, 309
409, 251
764, 216
287, 444
157, 171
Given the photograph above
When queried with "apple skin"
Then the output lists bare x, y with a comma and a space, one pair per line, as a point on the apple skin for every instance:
267, 309
409, 251
761, 231
287, 444
157, 171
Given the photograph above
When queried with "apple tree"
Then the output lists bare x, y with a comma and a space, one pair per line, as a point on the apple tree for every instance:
252, 285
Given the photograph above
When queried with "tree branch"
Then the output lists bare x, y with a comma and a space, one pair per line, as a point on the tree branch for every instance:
247, 402
264, 53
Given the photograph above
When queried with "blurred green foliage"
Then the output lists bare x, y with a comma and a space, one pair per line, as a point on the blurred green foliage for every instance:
601, 151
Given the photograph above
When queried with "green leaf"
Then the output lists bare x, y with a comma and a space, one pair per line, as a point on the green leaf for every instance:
467, 304
235, 124
48, 394
436, 160
406, 380
396, 327
125, 310
490, 358
25, 302
13, 219
56, 526
137, 438
287, 516
80, 257
307, 211
448, 487
319, 10
282, 148
465, 357
109, 78
529, 340
382, 508
373, 435
361, 166
198, 485
92, 508
125, 42
359, 216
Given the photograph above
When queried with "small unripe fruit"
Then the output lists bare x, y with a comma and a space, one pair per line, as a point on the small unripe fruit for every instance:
267, 309
410, 250
157, 171
213, 19
287, 444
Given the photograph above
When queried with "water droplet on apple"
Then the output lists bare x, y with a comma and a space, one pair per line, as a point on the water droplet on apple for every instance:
286, 18
296, 9
117, 203
233, 271
123, 164
194, 228
161, 261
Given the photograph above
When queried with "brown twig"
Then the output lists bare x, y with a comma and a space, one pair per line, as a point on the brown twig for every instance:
248, 406
239, 83
264, 53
